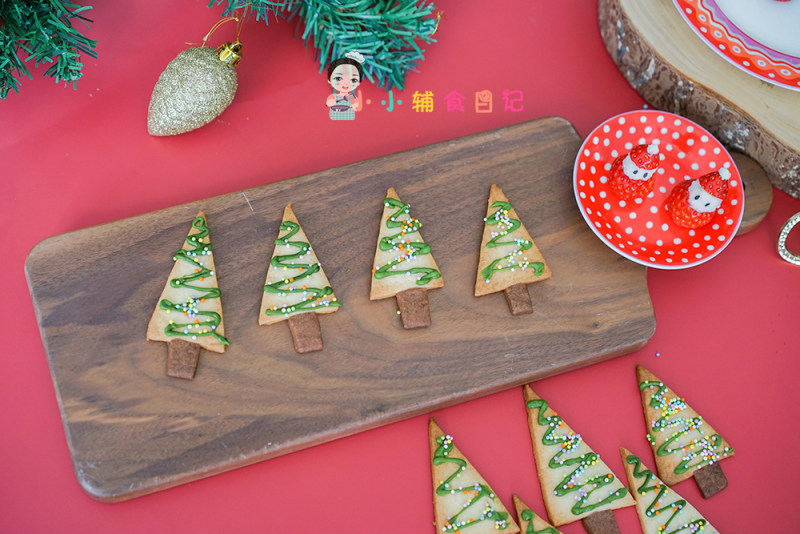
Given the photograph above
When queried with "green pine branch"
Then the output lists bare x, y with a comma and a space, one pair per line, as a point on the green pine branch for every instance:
41, 30
388, 33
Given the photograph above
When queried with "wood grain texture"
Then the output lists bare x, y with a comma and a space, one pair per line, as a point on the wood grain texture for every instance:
671, 68
757, 192
132, 431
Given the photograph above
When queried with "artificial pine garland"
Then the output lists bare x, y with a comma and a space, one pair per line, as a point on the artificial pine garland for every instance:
42, 29
385, 32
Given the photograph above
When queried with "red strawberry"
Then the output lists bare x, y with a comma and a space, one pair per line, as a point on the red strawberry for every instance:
624, 187
680, 210
633, 175
693, 203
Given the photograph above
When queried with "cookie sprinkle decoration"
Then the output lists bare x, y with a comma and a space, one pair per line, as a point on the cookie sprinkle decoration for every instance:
190, 307
306, 298
515, 257
462, 498
188, 313
473, 493
404, 267
661, 510
576, 483
296, 289
579, 481
402, 246
685, 445
676, 432
509, 260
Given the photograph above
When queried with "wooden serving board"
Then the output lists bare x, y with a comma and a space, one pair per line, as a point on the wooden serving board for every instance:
132, 430
674, 70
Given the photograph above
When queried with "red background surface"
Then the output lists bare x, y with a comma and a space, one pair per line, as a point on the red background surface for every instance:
726, 336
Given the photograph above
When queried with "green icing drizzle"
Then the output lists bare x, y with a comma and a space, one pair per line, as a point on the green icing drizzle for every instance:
406, 248
197, 328
507, 225
477, 492
528, 515
310, 297
661, 490
573, 482
697, 453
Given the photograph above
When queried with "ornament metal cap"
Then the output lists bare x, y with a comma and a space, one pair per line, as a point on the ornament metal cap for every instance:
230, 53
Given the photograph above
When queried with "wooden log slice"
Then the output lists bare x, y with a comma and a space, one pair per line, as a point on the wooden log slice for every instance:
674, 70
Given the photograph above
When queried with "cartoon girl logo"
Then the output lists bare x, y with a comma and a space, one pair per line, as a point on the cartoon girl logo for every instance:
344, 75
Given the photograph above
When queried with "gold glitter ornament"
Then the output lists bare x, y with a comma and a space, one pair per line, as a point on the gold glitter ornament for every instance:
194, 89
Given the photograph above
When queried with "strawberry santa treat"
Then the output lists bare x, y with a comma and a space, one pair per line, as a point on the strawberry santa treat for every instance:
693, 203
633, 175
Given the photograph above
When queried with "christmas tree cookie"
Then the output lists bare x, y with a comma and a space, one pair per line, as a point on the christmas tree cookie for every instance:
462, 500
575, 483
530, 522
661, 510
684, 444
296, 288
509, 258
404, 266
188, 315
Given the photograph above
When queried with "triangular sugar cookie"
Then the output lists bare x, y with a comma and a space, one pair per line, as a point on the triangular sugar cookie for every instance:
661, 510
530, 522
295, 280
682, 440
461, 496
189, 307
402, 259
508, 254
580, 484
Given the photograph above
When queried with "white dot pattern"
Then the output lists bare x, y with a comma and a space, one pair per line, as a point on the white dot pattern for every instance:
659, 241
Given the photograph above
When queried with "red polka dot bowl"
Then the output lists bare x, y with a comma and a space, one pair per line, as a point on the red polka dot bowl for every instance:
642, 229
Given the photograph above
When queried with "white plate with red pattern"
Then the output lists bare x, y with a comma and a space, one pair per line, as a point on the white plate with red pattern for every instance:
642, 229
760, 37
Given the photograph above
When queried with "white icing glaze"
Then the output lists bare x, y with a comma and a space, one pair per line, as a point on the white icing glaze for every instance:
701, 200
628, 167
